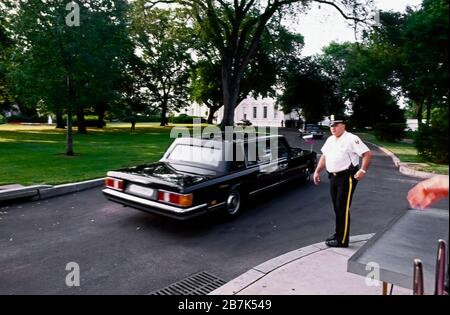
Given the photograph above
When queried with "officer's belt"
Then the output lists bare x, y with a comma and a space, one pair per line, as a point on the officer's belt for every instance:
346, 172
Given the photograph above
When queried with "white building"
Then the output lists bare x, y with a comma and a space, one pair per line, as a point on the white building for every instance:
195, 110
261, 112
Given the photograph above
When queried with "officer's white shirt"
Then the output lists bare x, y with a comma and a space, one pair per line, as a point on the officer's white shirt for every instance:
341, 152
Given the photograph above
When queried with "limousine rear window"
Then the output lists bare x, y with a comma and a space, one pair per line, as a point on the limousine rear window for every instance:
196, 154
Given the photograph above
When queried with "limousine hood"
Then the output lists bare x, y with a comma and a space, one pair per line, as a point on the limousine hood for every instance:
160, 173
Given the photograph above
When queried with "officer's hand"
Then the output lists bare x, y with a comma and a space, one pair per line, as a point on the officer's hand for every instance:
359, 175
316, 178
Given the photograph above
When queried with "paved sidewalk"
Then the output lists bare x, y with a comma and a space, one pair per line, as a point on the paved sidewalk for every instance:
312, 270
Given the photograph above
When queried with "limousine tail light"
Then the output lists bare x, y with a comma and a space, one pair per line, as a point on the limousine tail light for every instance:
114, 183
176, 199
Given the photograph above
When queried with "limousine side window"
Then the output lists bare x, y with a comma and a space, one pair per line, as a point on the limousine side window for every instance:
250, 154
283, 150
257, 153
238, 157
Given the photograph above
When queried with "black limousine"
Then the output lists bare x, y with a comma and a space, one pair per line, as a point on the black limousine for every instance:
198, 175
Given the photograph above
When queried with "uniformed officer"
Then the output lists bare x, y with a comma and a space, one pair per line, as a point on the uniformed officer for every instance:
340, 157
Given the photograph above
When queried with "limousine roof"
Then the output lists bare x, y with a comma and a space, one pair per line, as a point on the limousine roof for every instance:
221, 138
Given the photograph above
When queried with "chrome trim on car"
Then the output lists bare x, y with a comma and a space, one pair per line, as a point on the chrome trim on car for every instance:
216, 205
264, 188
150, 203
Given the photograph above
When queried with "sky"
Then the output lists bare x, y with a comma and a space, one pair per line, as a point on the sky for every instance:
322, 26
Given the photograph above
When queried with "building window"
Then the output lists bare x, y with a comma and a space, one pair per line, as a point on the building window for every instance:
265, 112
245, 116
254, 112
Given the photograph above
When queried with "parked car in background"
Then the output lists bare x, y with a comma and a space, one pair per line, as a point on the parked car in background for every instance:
244, 122
197, 175
311, 129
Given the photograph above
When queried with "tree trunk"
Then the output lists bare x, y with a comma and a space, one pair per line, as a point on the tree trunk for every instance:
163, 115
59, 120
230, 87
212, 111
419, 114
101, 117
428, 113
81, 122
69, 146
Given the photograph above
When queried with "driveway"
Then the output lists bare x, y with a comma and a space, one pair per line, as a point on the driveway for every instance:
124, 251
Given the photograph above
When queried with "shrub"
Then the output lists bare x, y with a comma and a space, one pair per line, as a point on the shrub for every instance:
390, 132
91, 123
26, 119
2, 119
184, 119
432, 141
146, 118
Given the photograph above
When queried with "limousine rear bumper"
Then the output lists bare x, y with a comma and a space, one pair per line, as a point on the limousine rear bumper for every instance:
156, 207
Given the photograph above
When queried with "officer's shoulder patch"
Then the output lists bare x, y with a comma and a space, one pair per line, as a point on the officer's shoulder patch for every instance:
357, 141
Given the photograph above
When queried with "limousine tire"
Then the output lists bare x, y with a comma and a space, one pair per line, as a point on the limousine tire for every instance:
233, 203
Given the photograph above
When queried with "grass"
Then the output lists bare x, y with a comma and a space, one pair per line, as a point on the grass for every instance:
407, 153
32, 154
35, 154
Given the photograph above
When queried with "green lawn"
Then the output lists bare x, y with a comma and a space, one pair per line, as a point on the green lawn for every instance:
407, 153
35, 154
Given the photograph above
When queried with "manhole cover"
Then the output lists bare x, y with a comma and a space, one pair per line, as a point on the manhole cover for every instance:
200, 283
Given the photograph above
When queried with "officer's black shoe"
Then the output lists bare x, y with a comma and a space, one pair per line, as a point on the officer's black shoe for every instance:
332, 237
335, 243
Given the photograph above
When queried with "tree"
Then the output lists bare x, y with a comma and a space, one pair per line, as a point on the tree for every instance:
67, 66
278, 47
6, 98
307, 89
237, 34
206, 87
367, 80
162, 38
375, 105
417, 42
425, 72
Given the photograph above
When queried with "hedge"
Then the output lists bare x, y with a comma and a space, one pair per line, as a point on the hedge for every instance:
390, 132
185, 119
26, 119
432, 141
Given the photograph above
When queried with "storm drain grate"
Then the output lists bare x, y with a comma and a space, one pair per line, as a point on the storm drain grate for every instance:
200, 283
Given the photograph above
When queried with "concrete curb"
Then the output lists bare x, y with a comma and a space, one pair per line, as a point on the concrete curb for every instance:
248, 278
21, 192
402, 167
39, 192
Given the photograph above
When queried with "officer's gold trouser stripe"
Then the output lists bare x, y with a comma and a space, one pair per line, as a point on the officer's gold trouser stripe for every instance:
347, 208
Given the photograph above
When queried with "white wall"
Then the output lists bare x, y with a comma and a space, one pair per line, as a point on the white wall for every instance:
194, 110
245, 111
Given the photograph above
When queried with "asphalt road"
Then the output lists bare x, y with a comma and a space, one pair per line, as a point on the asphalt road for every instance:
125, 251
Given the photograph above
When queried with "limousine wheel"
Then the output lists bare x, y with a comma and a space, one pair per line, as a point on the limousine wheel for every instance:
233, 203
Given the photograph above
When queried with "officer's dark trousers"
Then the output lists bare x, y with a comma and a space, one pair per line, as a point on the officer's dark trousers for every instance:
342, 188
